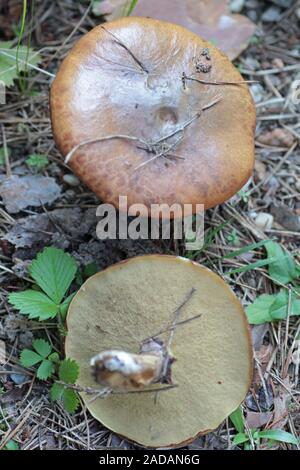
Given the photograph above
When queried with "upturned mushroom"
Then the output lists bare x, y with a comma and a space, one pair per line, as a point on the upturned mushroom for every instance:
169, 344
147, 109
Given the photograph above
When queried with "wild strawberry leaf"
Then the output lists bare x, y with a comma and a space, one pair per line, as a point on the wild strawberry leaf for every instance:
29, 358
8, 63
70, 400
45, 370
68, 371
53, 270
34, 304
42, 347
57, 391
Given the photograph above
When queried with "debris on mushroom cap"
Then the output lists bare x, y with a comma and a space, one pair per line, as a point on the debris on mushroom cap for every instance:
131, 303
140, 111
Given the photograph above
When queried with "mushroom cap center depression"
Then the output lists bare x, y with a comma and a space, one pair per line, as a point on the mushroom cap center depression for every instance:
102, 90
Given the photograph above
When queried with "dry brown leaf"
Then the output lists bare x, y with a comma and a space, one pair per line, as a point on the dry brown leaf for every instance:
286, 217
277, 137
281, 404
209, 19
258, 419
260, 169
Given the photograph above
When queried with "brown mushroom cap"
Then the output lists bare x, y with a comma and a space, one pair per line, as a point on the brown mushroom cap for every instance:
121, 306
101, 90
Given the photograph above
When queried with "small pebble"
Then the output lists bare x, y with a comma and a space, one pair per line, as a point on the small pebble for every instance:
271, 15
264, 221
236, 6
71, 180
18, 379
278, 63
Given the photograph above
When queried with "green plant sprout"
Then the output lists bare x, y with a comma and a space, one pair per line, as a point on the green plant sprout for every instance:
37, 161
41, 355
251, 438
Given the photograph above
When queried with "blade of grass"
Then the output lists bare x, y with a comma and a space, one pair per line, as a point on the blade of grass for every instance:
21, 34
257, 264
245, 249
131, 7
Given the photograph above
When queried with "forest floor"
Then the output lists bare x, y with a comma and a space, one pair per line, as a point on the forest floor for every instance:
268, 207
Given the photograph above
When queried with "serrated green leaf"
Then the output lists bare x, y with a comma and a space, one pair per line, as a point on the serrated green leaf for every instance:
53, 270
66, 396
45, 370
54, 357
279, 435
56, 392
34, 304
37, 160
238, 420
8, 65
29, 358
70, 400
283, 269
42, 347
259, 311
68, 371
240, 438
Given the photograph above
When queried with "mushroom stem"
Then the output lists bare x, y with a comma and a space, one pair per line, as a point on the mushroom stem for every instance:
122, 370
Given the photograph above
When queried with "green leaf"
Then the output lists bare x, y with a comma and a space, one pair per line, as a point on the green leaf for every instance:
238, 420
240, 438
54, 357
259, 311
70, 400
8, 65
42, 347
279, 309
63, 308
67, 397
283, 269
29, 358
245, 249
56, 392
12, 445
53, 270
279, 435
45, 370
131, 7
268, 308
68, 371
34, 304
37, 160
257, 264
